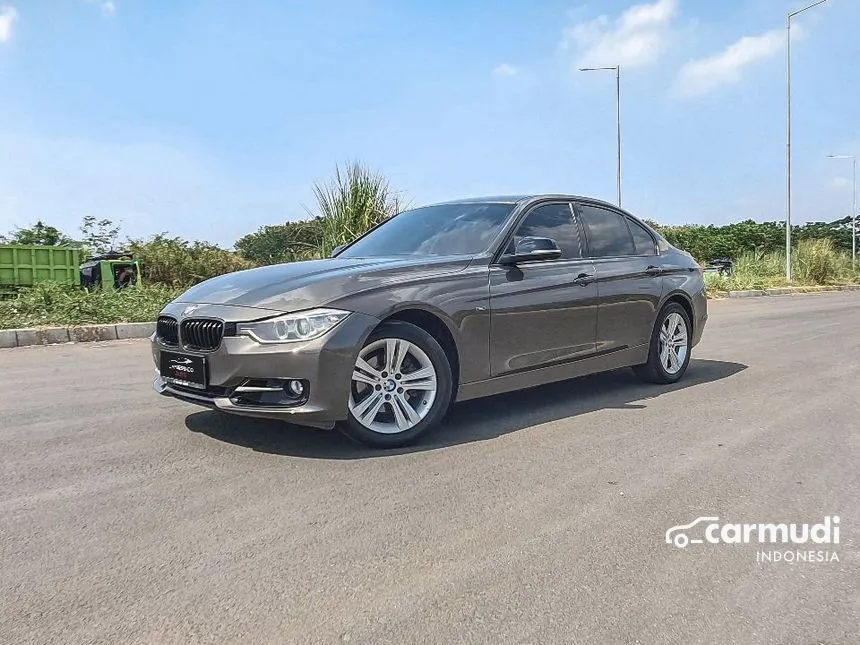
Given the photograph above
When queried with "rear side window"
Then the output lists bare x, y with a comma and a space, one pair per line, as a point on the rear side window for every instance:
663, 246
607, 232
641, 238
554, 221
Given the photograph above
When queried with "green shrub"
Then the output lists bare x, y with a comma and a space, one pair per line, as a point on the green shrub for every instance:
177, 262
53, 304
287, 242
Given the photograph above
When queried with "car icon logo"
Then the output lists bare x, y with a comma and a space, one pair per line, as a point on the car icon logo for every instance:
181, 361
677, 534
190, 310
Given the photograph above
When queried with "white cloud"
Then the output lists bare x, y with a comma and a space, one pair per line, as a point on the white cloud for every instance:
108, 7
8, 15
636, 38
840, 182
704, 75
505, 70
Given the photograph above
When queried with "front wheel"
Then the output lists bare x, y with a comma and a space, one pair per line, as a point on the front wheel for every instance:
401, 386
671, 343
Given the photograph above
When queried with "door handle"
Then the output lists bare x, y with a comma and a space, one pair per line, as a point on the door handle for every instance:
583, 279
654, 270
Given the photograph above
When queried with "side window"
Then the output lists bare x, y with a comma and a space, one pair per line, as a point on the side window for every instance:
607, 232
641, 238
554, 221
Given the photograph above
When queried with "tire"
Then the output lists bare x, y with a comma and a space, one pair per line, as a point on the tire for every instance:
669, 367
379, 408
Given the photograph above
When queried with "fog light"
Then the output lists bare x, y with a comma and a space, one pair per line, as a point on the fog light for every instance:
296, 388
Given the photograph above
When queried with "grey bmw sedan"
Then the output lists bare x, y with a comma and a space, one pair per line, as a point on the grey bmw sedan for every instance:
437, 304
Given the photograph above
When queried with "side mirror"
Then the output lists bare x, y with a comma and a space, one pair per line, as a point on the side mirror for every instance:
337, 249
533, 249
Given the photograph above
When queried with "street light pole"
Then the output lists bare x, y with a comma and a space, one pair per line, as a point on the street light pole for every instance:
618, 122
853, 158
617, 70
788, 138
788, 158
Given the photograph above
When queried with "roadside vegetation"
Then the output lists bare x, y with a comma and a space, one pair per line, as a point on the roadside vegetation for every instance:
175, 262
58, 305
354, 200
814, 262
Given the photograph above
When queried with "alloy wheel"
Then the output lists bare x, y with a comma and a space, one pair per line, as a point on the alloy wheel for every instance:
673, 343
393, 387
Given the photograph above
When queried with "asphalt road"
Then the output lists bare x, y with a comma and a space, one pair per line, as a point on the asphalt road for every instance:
536, 517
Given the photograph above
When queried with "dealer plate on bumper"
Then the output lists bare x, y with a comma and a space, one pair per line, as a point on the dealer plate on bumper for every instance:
183, 369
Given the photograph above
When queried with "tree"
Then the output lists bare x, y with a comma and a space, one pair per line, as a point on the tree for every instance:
40, 234
707, 243
100, 236
839, 232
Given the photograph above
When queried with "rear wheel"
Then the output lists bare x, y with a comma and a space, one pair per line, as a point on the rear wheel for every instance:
401, 386
671, 343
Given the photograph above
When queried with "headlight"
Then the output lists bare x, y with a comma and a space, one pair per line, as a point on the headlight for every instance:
303, 325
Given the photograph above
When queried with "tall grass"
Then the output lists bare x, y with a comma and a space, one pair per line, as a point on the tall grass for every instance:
354, 201
818, 262
813, 263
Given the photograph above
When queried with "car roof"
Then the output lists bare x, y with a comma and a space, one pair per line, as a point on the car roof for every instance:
493, 199
518, 199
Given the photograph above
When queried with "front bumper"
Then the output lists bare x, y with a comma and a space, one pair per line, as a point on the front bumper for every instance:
325, 363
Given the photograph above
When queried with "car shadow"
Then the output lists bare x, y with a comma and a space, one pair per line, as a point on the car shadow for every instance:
469, 421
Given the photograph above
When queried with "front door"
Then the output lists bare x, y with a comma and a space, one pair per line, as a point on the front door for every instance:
543, 313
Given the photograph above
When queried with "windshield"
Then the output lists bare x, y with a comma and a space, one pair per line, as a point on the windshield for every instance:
446, 229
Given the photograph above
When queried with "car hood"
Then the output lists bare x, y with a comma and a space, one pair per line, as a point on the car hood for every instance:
303, 285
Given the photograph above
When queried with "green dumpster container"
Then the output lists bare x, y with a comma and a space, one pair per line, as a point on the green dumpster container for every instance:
24, 266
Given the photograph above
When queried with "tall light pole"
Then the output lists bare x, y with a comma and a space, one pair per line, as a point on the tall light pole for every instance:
617, 70
853, 158
788, 138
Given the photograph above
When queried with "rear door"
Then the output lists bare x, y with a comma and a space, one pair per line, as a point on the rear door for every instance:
629, 276
543, 313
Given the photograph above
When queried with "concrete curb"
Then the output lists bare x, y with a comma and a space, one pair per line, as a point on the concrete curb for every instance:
790, 291
82, 334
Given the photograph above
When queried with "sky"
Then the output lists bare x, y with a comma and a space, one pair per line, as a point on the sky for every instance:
208, 119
